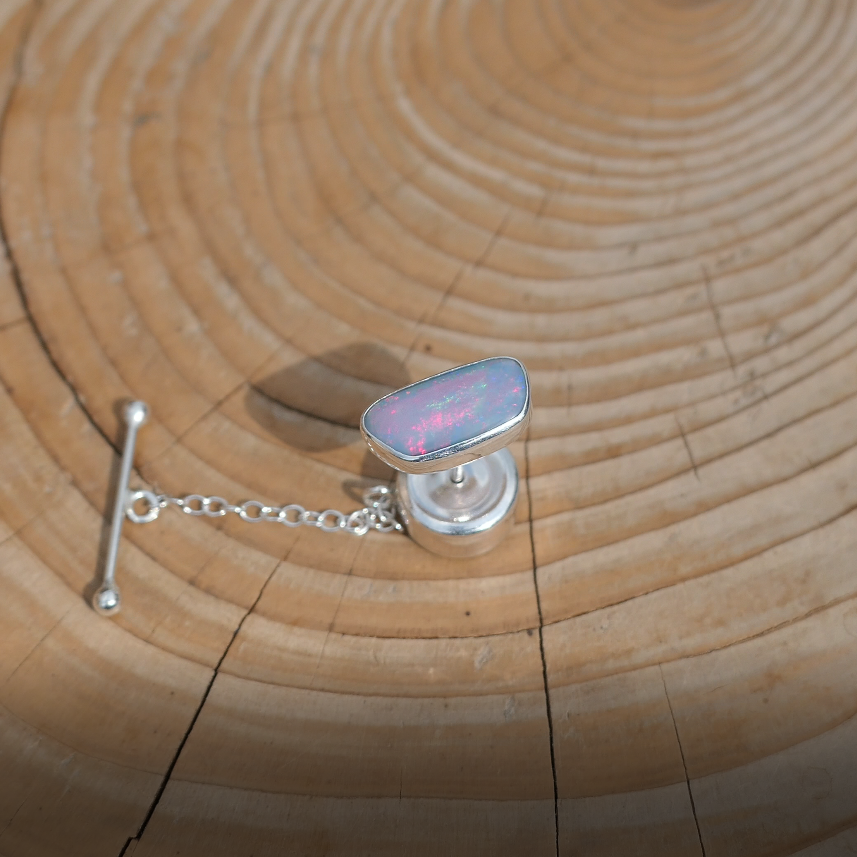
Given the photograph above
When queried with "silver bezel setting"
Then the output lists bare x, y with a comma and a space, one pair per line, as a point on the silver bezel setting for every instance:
459, 453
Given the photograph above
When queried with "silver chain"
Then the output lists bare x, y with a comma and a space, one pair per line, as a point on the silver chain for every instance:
379, 513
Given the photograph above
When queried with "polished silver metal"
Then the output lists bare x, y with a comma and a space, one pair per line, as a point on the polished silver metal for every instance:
459, 453
378, 513
459, 501
461, 519
107, 600
142, 507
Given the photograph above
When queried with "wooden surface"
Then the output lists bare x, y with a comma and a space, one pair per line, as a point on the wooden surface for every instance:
259, 216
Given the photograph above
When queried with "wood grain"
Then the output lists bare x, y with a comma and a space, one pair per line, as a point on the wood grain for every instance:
261, 216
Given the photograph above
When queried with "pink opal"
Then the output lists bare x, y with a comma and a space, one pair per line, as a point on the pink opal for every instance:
451, 408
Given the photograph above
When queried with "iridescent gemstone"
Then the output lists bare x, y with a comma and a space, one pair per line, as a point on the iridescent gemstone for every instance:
455, 407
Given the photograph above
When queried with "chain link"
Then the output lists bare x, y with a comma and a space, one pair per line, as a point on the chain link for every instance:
379, 513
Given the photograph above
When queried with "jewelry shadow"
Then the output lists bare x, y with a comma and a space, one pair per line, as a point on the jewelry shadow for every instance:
315, 406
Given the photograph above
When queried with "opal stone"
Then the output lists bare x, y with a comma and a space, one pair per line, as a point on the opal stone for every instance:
454, 407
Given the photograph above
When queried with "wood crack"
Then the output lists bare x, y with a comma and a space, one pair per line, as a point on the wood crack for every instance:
169, 772
542, 650
687, 447
14, 267
683, 763
13, 817
428, 317
716, 313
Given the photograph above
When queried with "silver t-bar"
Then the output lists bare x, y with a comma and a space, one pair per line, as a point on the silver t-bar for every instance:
106, 600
